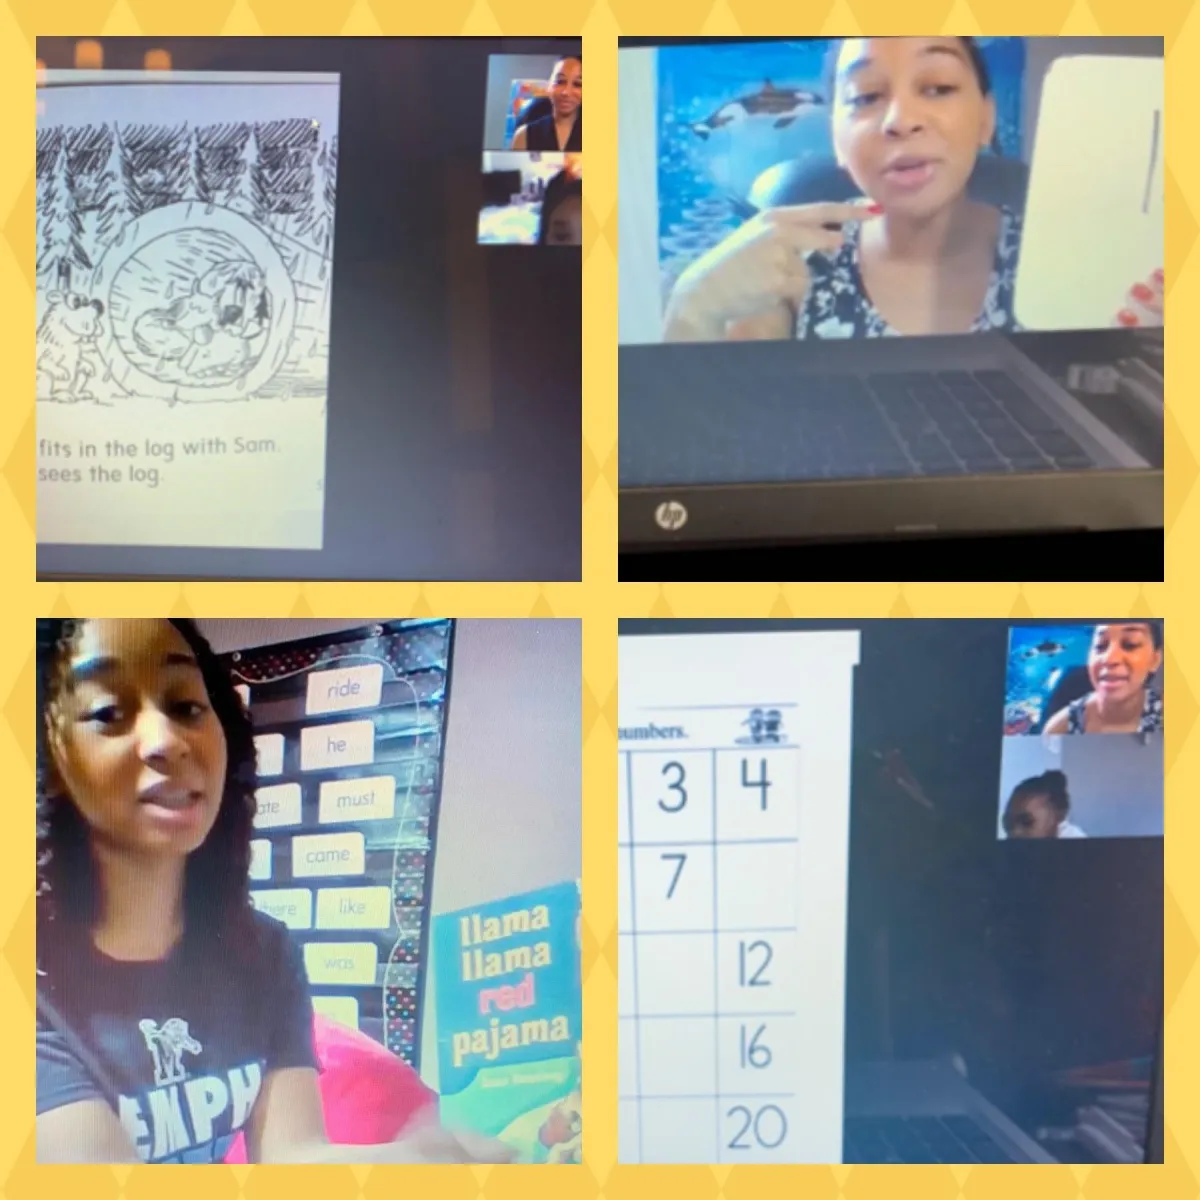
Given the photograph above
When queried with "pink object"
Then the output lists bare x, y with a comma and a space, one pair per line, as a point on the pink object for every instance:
369, 1095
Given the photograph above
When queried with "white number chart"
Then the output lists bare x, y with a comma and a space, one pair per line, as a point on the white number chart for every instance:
734, 795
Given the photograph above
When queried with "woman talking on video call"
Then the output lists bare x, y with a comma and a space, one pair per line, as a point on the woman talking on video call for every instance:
910, 117
171, 1014
1123, 661
562, 128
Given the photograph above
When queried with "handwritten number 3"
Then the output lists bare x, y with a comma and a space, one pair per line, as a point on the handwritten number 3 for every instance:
676, 787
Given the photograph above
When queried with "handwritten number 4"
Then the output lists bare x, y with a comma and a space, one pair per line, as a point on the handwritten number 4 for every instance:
762, 782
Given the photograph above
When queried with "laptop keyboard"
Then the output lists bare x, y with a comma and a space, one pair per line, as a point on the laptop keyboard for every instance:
919, 1140
850, 427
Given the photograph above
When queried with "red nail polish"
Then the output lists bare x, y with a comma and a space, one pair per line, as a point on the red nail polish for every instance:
875, 209
1142, 292
1158, 277
1125, 317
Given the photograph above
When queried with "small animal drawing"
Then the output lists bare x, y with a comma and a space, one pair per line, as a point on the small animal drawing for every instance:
780, 106
71, 324
211, 330
168, 1044
1045, 649
562, 1131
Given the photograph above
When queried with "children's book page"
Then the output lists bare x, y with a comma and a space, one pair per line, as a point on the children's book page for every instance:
184, 275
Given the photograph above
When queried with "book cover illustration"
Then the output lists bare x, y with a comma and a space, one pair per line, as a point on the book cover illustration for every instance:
509, 1012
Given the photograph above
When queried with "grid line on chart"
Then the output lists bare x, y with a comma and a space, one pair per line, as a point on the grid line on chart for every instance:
637, 1004
705, 932
767, 841
730, 1096
702, 1015
716, 967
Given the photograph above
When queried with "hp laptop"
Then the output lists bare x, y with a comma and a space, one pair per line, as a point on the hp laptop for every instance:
1046, 418
874, 907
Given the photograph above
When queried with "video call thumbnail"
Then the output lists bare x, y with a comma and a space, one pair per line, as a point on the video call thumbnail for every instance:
533, 144
783, 189
1083, 732
531, 199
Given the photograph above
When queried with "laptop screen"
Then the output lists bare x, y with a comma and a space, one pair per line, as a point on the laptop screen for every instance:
270, 343
786, 206
845, 935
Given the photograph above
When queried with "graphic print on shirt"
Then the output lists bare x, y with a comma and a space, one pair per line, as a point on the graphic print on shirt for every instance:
187, 1118
168, 1044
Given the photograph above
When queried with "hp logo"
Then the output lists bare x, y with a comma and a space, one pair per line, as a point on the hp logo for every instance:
671, 516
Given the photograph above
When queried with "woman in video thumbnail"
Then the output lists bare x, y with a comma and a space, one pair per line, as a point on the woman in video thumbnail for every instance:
1040, 808
918, 256
1122, 660
562, 128
171, 1014
561, 220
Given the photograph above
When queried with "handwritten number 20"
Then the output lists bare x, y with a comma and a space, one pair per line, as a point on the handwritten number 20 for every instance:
768, 1127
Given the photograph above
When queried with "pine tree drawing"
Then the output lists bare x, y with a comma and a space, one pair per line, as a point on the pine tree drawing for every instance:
196, 189
60, 250
114, 212
241, 193
260, 187
319, 227
48, 142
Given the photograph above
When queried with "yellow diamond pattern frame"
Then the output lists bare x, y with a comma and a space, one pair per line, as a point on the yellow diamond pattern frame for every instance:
600, 600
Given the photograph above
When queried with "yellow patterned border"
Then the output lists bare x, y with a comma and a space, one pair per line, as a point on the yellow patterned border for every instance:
600, 600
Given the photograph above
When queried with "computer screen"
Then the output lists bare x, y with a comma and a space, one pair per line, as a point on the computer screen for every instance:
786, 189
887, 258
269, 342
845, 935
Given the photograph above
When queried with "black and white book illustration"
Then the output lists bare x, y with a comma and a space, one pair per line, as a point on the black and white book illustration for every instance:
185, 254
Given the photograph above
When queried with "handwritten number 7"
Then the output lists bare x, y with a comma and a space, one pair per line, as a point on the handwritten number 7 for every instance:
682, 858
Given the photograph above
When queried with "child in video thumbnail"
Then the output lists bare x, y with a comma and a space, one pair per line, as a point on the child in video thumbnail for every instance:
561, 221
1040, 808
909, 119
1122, 660
561, 129
532, 199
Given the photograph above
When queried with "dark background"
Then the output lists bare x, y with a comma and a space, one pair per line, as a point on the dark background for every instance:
454, 433
1025, 958
1064, 558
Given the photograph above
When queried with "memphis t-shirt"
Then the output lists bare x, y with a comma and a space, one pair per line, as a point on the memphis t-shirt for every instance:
187, 1041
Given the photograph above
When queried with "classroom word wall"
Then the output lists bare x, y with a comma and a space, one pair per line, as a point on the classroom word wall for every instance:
349, 732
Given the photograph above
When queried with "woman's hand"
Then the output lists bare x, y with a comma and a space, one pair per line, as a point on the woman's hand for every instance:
1143, 304
430, 1142
758, 268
